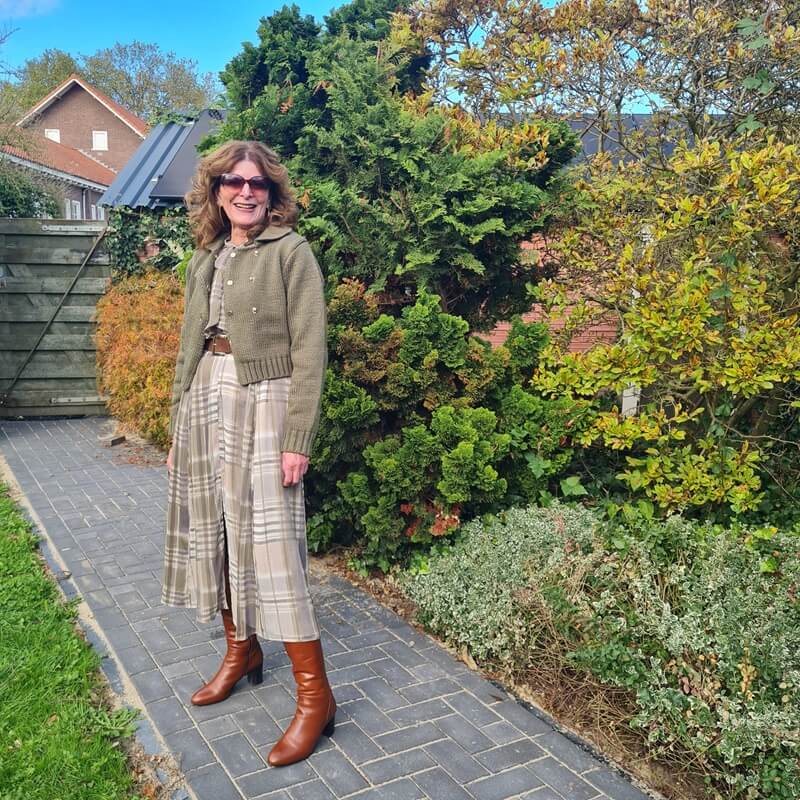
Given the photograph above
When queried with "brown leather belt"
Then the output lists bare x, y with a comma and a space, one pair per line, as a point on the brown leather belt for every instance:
218, 345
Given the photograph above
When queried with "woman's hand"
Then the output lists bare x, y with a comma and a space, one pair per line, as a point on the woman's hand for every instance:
293, 466
169, 458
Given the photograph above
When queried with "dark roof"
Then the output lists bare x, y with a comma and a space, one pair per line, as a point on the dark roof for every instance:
159, 173
591, 135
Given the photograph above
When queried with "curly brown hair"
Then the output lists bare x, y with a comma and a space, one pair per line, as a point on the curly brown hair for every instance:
208, 220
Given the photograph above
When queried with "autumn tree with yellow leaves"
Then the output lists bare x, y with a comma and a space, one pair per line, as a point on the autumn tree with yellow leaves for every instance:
682, 229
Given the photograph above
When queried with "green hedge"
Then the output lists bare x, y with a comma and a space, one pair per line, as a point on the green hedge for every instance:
700, 624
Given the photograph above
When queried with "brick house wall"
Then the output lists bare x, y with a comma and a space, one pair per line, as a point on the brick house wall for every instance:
76, 115
604, 331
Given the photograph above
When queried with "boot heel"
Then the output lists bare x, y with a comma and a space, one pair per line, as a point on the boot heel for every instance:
256, 676
328, 729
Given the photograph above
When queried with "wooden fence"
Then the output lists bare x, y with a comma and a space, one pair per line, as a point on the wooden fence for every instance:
52, 272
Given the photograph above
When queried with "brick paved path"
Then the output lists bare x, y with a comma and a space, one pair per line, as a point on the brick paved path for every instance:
412, 723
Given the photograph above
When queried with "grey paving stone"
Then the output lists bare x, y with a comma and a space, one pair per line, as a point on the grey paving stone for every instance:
313, 790
350, 657
542, 793
158, 640
460, 764
472, 709
420, 712
395, 675
568, 752
397, 765
184, 653
169, 715
382, 694
347, 693
122, 637
427, 672
367, 716
278, 702
99, 599
503, 732
237, 755
358, 672
563, 780
130, 601
179, 623
371, 638
135, 659
211, 783
272, 779
218, 727
520, 717
355, 744
190, 749
506, 784
438, 785
510, 755
614, 785
407, 738
404, 789
238, 701
464, 733
259, 727
429, 690
403, 654
151, 685
339, 774
172, 671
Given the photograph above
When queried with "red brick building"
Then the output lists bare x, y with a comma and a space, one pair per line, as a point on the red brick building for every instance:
77, 139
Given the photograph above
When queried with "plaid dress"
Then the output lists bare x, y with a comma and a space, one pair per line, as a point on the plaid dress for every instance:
226, 497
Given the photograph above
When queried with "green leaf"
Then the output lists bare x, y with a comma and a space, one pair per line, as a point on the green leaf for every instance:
572, 487
538, 465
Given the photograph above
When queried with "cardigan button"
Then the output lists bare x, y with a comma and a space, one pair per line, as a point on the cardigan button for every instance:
229, 282
254, 309
252, 277
230, 313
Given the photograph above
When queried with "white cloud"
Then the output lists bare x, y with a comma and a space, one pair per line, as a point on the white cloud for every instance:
13, 9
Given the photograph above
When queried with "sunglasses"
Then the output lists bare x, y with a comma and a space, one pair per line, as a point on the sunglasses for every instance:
230, 180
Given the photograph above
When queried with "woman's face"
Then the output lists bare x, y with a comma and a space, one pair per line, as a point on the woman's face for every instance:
244, 205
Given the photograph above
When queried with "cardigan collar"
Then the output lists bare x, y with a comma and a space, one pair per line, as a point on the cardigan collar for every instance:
270, 233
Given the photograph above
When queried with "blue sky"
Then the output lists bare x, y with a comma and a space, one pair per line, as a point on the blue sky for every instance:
209, 32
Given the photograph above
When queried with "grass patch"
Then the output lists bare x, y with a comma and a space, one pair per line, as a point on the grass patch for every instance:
58, 741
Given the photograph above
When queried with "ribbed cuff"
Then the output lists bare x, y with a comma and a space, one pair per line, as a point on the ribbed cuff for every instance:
295, 441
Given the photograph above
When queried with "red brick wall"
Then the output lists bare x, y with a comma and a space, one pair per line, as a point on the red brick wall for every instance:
76, 115
605, 331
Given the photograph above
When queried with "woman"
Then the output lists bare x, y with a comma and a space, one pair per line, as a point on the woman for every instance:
245, 409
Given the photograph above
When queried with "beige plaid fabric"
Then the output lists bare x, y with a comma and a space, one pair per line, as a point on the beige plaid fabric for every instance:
226, 487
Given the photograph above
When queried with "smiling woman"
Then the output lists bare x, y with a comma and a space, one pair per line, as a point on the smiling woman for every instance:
245, 410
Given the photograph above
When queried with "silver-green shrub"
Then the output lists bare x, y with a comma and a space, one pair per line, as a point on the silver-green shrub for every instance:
702, 625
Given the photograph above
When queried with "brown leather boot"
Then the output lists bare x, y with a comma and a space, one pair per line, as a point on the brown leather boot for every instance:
242, 658
316, 707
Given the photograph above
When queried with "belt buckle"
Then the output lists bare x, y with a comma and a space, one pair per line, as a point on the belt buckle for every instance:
213, 347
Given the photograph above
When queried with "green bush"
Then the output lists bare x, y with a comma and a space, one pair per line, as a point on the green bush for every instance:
424, 426
700, 624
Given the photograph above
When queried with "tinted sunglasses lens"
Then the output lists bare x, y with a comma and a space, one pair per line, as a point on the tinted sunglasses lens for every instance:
231, 181
259, 184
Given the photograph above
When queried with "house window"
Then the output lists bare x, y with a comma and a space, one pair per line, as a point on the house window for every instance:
99, 140
76, 209
101, 212
53, 133
93, 209
67, 210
